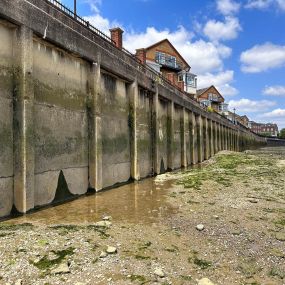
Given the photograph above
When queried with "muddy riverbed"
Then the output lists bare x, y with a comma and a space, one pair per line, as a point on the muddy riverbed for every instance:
222, 223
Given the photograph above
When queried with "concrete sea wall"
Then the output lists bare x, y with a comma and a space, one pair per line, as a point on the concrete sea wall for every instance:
78, 113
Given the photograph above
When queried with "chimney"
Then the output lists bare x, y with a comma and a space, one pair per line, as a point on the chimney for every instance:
141, 55
117, 37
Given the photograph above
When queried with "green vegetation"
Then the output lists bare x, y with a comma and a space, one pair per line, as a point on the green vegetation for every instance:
46, 264
282, 134
12, 227
227, 167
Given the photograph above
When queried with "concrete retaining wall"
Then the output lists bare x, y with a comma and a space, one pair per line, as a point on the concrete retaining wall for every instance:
77, 113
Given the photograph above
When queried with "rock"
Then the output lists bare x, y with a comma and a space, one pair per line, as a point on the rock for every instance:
19, 282
252, 200
62, 268
200, 227
103, 224
205, 281
159, 272
216, 217
107, 218
111, 250
103, 254
280, 236
80, 283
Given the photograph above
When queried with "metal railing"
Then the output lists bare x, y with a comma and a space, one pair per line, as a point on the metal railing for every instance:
80, 20
147, 70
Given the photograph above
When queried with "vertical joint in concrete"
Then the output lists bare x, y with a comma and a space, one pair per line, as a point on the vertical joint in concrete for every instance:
183, 142
24, 156
133, 91
95, 126
170, 134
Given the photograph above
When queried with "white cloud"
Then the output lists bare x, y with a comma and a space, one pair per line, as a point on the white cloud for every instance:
202, 56
262, 57
277, 90
276, 116
251, 106
228, 30
264, 4
258, 4
205, 57
221, 80
277, 113
227, 7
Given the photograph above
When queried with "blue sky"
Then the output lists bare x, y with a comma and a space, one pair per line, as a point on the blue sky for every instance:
239, 46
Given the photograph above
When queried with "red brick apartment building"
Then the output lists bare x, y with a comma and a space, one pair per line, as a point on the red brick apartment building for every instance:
268, 129
165, 59
211, 97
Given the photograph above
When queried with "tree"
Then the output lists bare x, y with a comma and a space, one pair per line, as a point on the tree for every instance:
282, 134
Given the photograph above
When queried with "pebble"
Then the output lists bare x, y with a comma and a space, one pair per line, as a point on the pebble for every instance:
159, 272
19, 282
251, 200
103, 254
103, 224
107, 218
205, 281
280, 236
111, 250
62, 268
200, 227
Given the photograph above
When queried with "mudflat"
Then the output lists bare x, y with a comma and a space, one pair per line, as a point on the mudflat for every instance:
222, 222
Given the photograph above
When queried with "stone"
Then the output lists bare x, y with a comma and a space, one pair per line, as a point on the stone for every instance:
280, 236
62, 268
107, 218
252, 200
205, 281
216, 217
103, 224
19, 282
111, 250
103, 254
200, 227
80, 283
159, 272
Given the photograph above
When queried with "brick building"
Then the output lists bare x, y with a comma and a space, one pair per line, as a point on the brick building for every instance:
268, 129
211, 97
164, 58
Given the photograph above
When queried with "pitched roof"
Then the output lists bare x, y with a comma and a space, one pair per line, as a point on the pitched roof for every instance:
172, 46
204, 90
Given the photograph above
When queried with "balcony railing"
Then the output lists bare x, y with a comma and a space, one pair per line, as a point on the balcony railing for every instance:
168, 61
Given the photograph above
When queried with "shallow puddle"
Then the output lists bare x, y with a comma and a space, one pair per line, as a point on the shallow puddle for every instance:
139, 202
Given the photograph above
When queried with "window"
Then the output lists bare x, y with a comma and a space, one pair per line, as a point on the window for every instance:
180, 78
210, 96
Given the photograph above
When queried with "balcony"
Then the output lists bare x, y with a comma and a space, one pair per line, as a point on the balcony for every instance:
168, 61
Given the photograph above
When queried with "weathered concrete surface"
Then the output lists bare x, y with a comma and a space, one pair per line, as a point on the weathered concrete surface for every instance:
145, 134
163, 137
61, 130
116, 159
87, 115
6, 118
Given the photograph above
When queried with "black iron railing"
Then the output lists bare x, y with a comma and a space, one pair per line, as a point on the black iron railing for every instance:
147, 70
82, 21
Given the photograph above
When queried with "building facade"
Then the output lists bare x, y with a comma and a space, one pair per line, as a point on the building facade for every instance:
165, 59
268, 129
211, 97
